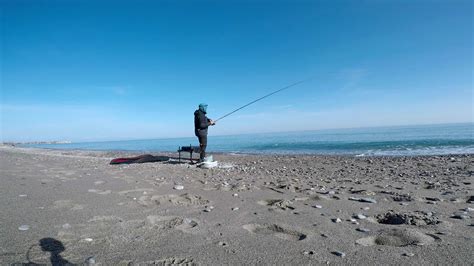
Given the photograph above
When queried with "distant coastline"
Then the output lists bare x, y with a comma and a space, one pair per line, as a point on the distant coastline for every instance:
37, 142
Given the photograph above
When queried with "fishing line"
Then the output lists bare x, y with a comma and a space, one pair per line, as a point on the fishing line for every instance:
263, 97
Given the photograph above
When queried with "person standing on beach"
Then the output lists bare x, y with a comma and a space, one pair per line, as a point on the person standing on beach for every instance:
201, 123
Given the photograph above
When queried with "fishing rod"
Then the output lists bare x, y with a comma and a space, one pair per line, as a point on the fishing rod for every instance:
263, 97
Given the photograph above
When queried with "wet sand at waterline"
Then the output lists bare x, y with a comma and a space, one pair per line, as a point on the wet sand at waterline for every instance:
73, 207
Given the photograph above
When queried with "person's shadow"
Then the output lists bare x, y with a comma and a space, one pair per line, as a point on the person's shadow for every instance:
55, 247
51, 245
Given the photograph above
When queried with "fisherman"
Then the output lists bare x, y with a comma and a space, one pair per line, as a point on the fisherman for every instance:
201, 123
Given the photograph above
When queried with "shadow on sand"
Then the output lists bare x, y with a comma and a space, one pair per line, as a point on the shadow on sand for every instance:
54, 247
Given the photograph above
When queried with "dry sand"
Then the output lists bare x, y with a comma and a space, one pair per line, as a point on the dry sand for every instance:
294, 210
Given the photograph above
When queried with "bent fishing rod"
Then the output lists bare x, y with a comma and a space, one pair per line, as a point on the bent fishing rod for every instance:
263, 97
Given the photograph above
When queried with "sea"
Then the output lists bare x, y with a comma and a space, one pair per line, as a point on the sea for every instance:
439, 139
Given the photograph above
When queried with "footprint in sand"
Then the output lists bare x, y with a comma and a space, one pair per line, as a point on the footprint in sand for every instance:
179, 200
276, 230
171, 222
398, 238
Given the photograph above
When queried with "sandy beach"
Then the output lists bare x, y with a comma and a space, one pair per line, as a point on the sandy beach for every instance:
73, 207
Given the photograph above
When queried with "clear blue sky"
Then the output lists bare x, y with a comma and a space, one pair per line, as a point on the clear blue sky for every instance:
108, 70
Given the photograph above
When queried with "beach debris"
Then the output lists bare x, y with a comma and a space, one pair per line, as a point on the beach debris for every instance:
360, 216
363, 230
318, 206
224, 244
336, 220
408, 254
468, 209
339, 253
235, 208
88, 239
235, 195
22, 196
366, 208
368, 200
24, 227
178, 187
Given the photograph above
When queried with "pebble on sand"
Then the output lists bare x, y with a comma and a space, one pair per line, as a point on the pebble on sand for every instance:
24, 227
179, 187
339, 253
89, 261
408, 254
369, 200
336, 220
460, 216
360, 216
363, 230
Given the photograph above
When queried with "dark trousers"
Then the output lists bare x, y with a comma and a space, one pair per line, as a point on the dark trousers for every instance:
202, 145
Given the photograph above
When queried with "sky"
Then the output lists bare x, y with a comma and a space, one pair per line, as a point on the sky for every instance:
118, 70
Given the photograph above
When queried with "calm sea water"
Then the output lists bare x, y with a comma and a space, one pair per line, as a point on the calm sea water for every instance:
406, 140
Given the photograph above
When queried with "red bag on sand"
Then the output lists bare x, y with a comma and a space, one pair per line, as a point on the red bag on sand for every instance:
146, 158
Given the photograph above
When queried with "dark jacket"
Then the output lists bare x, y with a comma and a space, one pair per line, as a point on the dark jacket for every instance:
201, 123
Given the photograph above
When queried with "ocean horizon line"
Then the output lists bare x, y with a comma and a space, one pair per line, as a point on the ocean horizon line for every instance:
62, 141
395, 140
